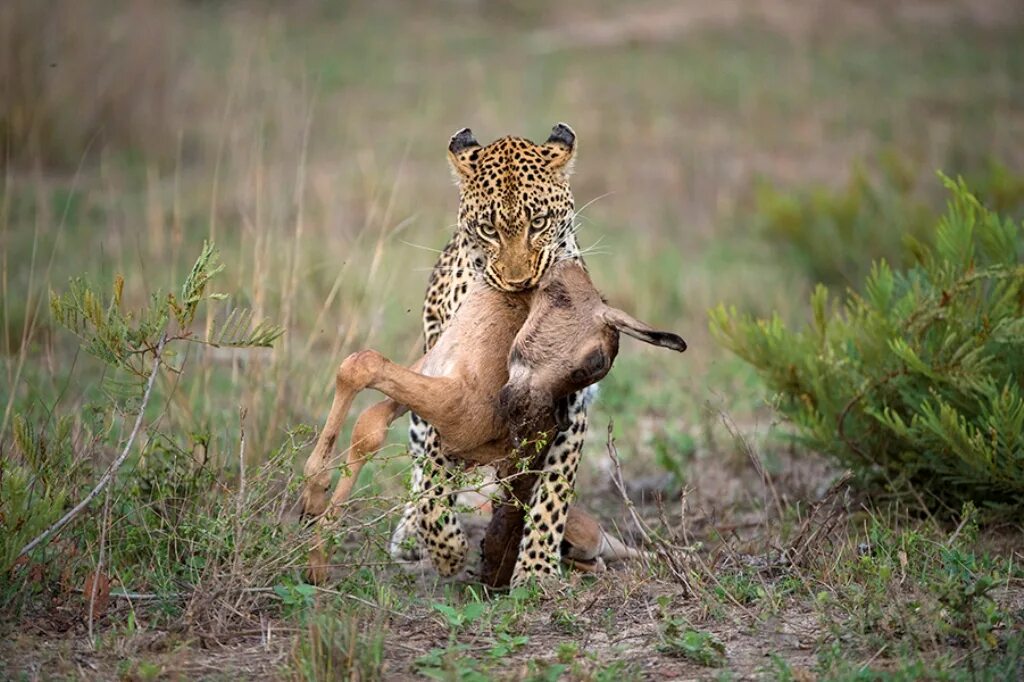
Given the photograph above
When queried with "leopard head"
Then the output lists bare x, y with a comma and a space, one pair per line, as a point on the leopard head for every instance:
516, 207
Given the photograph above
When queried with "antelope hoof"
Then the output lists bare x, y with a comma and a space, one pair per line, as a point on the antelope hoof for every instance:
596, 565
312, 504
317, 572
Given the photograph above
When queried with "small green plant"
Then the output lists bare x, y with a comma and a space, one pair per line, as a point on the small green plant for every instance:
566, 621
567, 652
616, 671
451, 664
458, 618
739, 586
681, 640
915, 380
295, 597
505, 644
544, 671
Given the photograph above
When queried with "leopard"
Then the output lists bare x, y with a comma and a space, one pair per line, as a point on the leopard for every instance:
516, 218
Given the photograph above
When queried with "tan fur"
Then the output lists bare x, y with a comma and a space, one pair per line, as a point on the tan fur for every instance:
515, 203
589, 542
516, 213
548, 338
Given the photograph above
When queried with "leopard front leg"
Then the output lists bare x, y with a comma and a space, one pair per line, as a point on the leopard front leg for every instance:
405, 541
429, 521
539, 550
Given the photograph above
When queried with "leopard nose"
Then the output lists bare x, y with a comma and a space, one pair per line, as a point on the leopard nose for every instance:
518, 283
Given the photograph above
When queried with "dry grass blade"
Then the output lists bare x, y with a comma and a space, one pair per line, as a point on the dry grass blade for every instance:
824, 516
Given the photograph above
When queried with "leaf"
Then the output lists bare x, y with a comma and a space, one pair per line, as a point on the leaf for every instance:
101, 584
207, 265
472, 611
237, 331
453, 617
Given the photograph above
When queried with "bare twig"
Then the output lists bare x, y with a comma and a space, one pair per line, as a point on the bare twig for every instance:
662, 549
613, 454
821, 519
755, 460
240, 498
111, 471
99, 565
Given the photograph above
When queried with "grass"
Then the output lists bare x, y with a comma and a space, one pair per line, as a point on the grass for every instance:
309, 145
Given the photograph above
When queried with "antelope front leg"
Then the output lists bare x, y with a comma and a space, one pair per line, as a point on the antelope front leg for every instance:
352, 376
407, 388
365, 369
539, 553
368, 435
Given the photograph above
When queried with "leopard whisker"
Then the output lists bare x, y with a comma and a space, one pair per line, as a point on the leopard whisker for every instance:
584, 206
590, 249
420, 246
450, 268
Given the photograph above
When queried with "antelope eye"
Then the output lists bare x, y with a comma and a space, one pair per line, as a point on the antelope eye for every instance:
487, 230
539, 223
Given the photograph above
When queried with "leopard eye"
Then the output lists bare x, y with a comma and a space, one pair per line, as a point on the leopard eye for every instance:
486, 230
538, 223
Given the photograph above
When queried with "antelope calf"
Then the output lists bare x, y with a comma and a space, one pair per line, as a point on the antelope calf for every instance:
493, 380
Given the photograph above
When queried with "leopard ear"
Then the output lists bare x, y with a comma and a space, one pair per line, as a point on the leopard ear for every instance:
561, 149
463, 150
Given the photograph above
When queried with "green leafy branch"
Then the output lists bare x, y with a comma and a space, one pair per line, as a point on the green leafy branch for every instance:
126, 339
917, 377
136, 341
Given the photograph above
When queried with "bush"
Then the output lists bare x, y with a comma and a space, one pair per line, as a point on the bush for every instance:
918, 378
193, 533
835, 234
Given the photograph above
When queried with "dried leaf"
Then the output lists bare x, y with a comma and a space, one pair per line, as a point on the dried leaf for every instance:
102, 598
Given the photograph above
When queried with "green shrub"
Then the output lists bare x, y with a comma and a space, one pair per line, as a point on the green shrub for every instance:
191, 532
834, 235
916, 379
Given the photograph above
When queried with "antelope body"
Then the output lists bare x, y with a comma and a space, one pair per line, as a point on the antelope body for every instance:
493, 380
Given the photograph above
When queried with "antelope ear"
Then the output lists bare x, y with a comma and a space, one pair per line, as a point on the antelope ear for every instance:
561, 149
627, 324
463, 150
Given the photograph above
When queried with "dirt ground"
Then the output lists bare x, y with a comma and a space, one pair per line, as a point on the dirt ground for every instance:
609, 621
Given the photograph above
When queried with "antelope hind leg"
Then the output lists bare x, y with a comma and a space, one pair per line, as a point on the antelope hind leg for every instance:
429, 396
317, 467
368, 436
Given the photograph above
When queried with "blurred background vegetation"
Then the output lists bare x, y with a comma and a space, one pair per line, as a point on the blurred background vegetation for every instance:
735, 153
